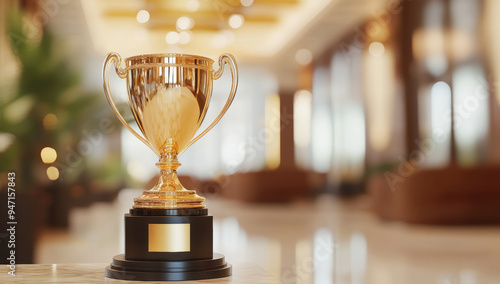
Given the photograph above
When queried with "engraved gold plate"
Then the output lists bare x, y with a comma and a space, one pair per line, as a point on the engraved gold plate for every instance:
169, 237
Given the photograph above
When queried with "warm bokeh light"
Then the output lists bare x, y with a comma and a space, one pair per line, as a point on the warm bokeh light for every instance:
437, 102
470, 99
303, 56
192, 5
49, 155
428, 42
302, 118
302, 107
236, 21
172, 37
379, 77
322, 141
184, 23
52, 173
247, 3
184, 37
143, 16
344, 136
6, 140
50, 121
376, 49
272, 132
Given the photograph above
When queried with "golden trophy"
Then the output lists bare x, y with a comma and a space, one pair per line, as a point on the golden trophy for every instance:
168, 232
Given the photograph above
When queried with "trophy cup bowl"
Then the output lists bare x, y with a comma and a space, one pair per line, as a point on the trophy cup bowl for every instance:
168, 232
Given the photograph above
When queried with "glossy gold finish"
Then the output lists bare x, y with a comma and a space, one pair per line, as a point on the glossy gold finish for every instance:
169, 237
169, 95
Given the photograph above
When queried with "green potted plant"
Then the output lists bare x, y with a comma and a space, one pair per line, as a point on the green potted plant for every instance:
44, 110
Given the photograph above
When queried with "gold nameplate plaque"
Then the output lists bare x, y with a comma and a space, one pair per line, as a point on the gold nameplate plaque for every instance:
169, 237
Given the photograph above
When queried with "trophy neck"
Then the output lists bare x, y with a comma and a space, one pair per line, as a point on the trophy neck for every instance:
168, 193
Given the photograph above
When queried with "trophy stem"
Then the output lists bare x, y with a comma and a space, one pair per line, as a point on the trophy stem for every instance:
168, 193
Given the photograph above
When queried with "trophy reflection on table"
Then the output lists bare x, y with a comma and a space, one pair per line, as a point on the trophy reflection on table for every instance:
168, 232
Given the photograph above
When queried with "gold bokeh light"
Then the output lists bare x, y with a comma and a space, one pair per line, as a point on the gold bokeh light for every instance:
49, 155
50, 121
52, 173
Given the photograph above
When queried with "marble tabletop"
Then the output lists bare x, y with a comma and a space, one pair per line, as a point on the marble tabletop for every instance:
94, 273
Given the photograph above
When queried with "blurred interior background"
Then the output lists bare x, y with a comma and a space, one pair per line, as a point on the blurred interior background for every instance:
366, 128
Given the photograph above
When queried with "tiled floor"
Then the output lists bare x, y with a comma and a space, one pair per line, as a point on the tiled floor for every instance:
322, 241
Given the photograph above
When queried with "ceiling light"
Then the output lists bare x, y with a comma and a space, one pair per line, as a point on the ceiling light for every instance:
184, 37
246, 3
172, 37
184, 23
193, 5
376, 49
303, 56
143, 16
236, 21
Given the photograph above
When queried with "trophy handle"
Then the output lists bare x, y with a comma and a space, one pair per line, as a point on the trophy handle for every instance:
114, 58
225, 58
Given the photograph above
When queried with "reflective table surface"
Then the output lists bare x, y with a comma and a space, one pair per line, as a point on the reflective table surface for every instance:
93, 273
325, 240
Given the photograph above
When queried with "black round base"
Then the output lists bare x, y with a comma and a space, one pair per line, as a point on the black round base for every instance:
168, 270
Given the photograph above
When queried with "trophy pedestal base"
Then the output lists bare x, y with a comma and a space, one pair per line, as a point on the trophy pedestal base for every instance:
168, 270
168, 245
